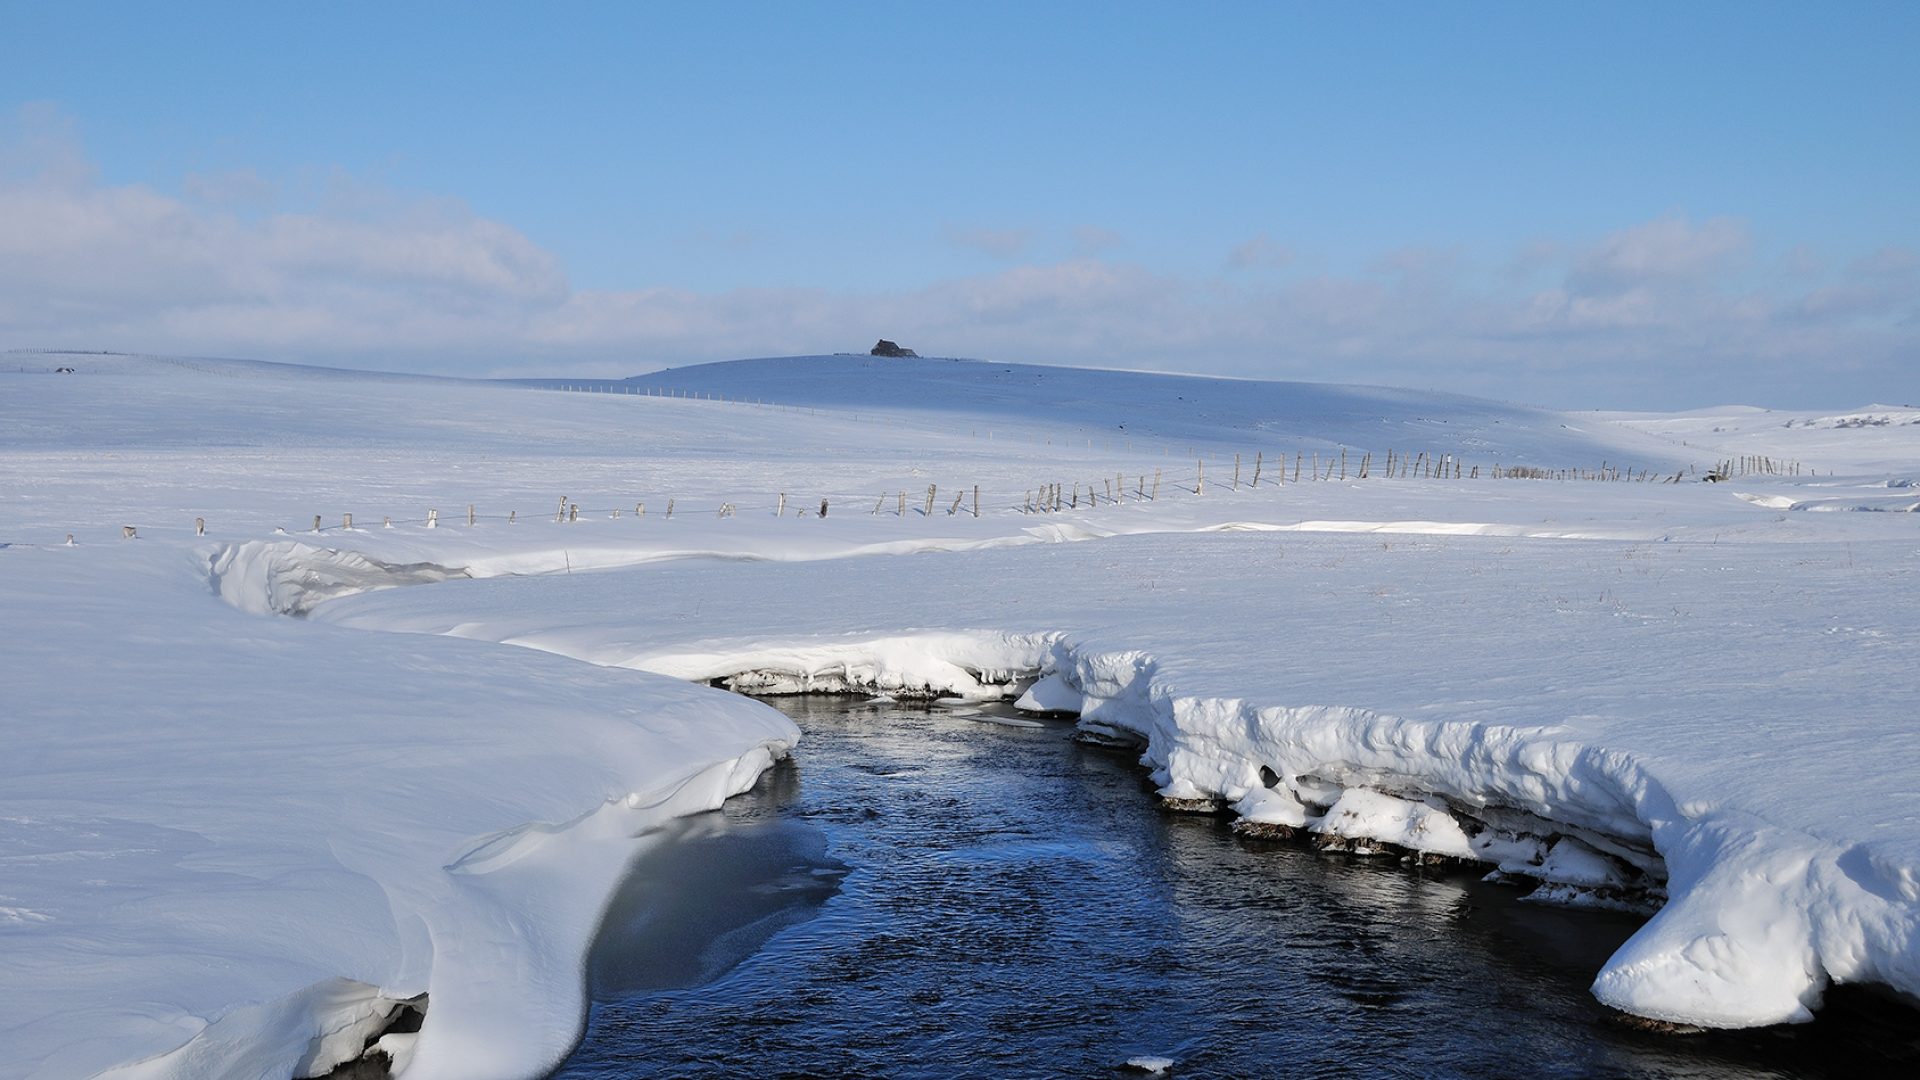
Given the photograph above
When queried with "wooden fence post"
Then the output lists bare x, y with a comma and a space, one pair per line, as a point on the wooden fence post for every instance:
346, 522
316, 523
199, 526
433, 519
470, 515
976, 500
1256, 468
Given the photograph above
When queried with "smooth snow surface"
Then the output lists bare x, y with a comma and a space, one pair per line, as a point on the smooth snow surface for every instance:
235, 841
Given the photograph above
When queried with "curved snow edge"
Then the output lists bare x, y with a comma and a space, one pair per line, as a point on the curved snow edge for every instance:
1759, 920
490, 962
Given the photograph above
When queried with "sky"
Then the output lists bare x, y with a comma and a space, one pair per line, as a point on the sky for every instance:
1618, 205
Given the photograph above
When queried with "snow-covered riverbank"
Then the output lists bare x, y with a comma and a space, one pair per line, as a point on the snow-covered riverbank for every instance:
215, 815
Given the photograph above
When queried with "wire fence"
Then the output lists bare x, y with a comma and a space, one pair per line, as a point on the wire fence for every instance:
1139, 488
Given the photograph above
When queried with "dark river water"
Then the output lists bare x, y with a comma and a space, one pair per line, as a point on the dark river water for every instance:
922, 893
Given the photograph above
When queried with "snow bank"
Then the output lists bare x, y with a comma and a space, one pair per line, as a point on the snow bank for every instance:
233, 844
1633, 779
289, 578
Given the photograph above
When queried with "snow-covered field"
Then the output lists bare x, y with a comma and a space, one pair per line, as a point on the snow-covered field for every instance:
233, 842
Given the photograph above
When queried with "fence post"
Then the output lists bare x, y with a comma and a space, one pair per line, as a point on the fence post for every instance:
346, 522
316, 523
433, 519
199, 526
976, 500
470, 515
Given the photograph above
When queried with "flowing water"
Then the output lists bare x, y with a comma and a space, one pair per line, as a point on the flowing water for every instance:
934, 892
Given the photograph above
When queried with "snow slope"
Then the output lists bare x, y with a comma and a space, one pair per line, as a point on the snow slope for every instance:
1180, 410
1882, 439
233, 841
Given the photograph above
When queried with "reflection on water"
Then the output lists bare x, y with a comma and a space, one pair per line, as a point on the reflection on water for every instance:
1015, 906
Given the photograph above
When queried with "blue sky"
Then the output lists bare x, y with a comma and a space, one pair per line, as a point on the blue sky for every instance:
1620, 205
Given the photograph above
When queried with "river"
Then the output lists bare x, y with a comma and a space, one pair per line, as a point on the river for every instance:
945, 892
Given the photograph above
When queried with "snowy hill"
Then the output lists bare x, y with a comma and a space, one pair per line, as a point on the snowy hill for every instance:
1190, 410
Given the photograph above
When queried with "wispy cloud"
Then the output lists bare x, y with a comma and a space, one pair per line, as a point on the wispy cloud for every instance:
1256, 251
1668, 250
1094, 240
1657, 313
235, 187
999, 243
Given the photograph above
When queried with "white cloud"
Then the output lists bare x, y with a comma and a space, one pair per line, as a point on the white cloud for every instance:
234, 187
1655, 314
1670, 249
1258, 250
1094, 240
